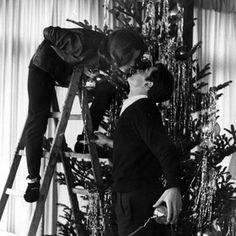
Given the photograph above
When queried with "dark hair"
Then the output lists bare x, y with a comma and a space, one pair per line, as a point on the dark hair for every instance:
120, 45
163, 84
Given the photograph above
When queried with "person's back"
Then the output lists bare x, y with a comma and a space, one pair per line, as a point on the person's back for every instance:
54, 55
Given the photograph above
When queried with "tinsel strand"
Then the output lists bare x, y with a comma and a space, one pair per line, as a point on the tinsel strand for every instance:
208, 185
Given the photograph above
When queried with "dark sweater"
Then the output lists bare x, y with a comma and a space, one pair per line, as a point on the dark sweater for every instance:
142, 150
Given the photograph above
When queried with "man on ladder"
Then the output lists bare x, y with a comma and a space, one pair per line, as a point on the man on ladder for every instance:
53, 62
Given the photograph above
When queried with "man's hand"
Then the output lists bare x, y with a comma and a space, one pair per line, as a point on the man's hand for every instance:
172, 198
102, 140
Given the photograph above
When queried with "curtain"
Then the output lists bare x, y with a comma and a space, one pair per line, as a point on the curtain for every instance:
217, 5
217, 31
22, 23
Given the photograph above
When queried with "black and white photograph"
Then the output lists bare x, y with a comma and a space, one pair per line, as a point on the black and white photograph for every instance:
117, 118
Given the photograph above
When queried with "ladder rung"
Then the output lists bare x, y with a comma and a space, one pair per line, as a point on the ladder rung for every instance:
57, 115
86, 156
80, 156
18, 193
80, 191
14, 192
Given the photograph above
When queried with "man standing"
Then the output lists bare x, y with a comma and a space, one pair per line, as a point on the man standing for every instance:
142, 151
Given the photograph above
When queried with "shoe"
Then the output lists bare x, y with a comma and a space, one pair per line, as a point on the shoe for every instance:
80, 145
65, 147
47, 143
32, 192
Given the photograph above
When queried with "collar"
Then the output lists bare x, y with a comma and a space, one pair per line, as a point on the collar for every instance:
130, 101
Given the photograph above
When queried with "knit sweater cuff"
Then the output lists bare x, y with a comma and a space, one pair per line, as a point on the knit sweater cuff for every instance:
173, 182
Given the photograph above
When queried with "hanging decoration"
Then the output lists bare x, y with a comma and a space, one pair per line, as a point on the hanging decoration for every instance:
181, 53
106, 14
94, 214
149, 22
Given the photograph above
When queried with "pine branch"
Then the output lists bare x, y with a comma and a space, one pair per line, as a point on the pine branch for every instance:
85, 25
221, 86
125, 11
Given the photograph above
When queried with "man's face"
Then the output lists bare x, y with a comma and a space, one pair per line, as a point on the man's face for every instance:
138, 79
131, 63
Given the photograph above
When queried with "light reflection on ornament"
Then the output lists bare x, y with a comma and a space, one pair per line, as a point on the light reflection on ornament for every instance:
207, 128
174, 12
216, 129
160, 214
90, 84
181, 53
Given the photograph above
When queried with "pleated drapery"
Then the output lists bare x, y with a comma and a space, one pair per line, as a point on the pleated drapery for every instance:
21, 31
217, 5
216, 29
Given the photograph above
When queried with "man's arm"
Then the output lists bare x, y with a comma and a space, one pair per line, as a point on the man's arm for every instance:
154, 135
172, 198
103, 140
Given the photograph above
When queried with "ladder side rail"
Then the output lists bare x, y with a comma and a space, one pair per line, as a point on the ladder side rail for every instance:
69, 178
97, 172
13, 169
56, 108
96, 167
78, 216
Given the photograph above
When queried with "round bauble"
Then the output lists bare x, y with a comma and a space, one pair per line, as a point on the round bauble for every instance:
181, 53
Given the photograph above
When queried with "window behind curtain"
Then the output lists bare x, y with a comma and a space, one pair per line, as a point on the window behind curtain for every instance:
216, 28
217, 31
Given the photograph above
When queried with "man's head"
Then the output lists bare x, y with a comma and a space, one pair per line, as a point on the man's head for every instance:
156, 82
163, 84
122, 48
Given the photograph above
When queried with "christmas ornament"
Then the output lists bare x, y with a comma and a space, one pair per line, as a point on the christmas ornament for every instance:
90, 84
181, 2
181, 53
160, 214
216, 129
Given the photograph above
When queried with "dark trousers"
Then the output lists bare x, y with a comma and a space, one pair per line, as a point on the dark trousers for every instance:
133, 209
40, 92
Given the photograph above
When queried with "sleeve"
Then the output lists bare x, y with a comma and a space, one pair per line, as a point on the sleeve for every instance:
153, 133
103, 95
67, 43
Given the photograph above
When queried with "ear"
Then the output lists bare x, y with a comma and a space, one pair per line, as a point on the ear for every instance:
148, 84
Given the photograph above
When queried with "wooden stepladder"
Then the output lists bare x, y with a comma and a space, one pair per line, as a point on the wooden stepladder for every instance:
56, 153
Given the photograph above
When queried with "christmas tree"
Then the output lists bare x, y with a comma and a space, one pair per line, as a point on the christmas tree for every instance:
190, 117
